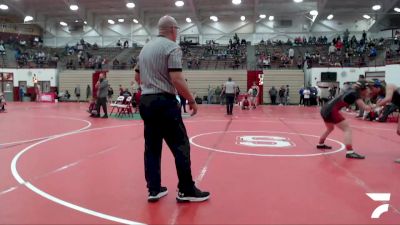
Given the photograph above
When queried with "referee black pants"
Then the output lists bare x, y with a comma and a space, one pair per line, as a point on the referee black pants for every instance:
230, 98
103, 103
162, 118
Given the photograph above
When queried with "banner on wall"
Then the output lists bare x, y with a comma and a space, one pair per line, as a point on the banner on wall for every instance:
47, 97
258, 78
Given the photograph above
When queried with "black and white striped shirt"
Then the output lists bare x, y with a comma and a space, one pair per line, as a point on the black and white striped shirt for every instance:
157, 58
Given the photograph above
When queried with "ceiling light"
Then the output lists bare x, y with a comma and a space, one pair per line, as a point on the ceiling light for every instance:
263, 16
298, 1
271, 18
121, 20
85, 22
236, 2
367, 17
64, 24
76, 21
214, 18
179, 3
3, 7
397, 9
130, 5
111, 21
73, 7
330, 17
188, 20
135, 21
314, 13
28, 18
242, 18
376, 7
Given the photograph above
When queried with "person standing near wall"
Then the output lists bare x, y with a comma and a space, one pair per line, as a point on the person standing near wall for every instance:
102, 92
88, 92
272, 94
78, 92
230, 91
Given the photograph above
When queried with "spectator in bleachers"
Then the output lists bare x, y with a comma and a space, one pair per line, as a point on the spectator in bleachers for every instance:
300, 62
364, 35
291, 55
373, 52
22, 43
95, 46
2, 50
70, 64
119, 44
104, 63
116, 64
126, 44
332, 49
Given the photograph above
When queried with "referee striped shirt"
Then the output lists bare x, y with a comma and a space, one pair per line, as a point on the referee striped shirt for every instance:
157, 58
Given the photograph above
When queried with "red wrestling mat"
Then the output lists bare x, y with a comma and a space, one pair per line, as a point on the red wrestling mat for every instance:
261, 167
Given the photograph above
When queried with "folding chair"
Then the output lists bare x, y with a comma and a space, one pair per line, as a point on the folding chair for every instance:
126, 107
116, 104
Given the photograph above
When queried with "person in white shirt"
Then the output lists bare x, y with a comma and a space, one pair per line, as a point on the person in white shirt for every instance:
332, 49
319, 99
229, 90
307, 94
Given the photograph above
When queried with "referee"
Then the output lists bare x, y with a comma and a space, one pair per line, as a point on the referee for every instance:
159, 71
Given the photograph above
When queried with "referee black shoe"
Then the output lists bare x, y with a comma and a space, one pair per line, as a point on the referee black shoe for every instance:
194, 195
154, 196
354, 155
323, 146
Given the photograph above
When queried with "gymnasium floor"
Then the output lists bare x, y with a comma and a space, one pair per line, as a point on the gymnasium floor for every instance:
59, 166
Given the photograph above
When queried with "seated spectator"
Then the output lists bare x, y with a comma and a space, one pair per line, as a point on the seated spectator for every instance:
2, 50
126, 94
22, 43
95, 46
67, 95
245, 103
119, 43
115, 64
332, 49
373, 52
70, 65
299, 63
92, 107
